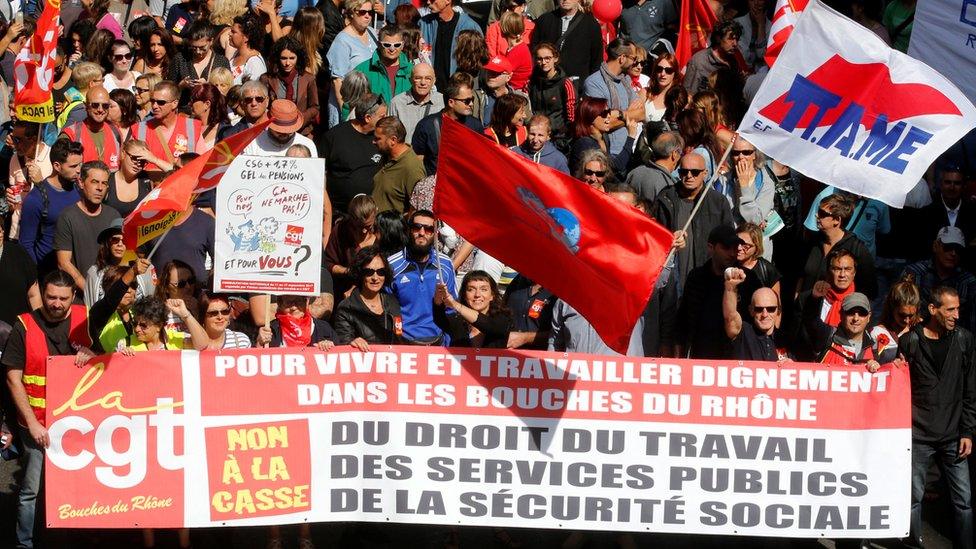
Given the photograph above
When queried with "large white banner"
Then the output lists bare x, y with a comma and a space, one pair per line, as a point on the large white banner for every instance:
944, 37
843, 108
269, 226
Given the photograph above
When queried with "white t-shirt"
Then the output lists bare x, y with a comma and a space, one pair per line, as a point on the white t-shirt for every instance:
252, 69
265, 146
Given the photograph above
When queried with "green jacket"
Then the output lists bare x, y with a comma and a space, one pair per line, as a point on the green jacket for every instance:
379, 82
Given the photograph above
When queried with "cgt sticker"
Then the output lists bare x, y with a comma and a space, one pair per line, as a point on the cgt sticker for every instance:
293, 235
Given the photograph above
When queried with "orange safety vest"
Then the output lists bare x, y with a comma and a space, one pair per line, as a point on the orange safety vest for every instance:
35, 347
111, 144
183, 139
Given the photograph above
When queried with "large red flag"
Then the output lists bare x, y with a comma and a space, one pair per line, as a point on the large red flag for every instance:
697, 22
159, 210
599, 255
34, 68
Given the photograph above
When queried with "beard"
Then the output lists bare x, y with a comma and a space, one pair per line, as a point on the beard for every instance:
419, 250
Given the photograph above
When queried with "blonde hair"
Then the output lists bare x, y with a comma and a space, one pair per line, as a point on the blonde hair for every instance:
85, 73
511, 24
707, 102
353, 5
151, 78
224, 11
221, 76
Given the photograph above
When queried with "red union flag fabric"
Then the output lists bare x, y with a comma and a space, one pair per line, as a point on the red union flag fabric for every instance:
845, 109
784, 19
597, 254
160, 208
34, 68
697, 22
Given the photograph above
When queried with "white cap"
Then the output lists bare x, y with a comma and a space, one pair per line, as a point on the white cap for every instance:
951, 235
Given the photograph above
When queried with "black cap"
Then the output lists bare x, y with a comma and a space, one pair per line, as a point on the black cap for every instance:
724, 235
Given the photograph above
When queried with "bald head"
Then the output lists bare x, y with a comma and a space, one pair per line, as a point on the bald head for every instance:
422, 80
96, 103
764, 297
691, 172
764, 308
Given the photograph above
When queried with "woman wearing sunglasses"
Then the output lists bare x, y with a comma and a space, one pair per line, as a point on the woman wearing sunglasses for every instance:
149, 331
351, 233
664, 76
177, 281
215, 310
110, 252
749, 255
120, 62
592, 128
353, 45
369, 315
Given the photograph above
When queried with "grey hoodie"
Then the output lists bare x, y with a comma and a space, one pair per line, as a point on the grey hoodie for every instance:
548, 156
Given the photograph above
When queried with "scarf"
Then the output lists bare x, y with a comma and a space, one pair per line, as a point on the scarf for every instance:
287, 87
611, 83
836, 299
295, 332
635, 83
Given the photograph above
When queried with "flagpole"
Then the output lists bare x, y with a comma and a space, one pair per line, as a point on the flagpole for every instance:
701, 197
158, 242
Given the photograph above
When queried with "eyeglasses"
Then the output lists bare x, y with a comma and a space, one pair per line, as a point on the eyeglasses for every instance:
665, 70
99, 105
180, 283
544, 59
122, 56
377, 272
160, 102
218, 312
466, 100
746, 246
768, 309
638, 61
392, 45
743, 152
429, 229
141, 90
824, 213
857, 311
362, 13
598, 173
254, 99
690, 171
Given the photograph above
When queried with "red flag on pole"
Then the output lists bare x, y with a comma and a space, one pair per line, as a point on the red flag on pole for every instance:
697, 22
599, 255
34, 68
158, 211
784, 19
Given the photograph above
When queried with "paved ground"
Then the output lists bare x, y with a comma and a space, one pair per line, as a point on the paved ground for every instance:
365, 536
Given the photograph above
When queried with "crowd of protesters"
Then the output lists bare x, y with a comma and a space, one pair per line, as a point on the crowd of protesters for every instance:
773, 267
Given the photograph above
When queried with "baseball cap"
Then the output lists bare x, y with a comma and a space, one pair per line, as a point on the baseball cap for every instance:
499, 63
854, 301
724, 235
951, 235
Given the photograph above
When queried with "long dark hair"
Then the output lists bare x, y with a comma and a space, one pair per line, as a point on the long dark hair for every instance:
363, 258
695, 130
126, 101
497, 303
218, 108
393, 232
166, 39
505, 109
287, 43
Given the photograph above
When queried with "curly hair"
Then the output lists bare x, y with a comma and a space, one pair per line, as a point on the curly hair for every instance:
471, 52
150, 308
251, 28
225, 11
287, 43
363, 258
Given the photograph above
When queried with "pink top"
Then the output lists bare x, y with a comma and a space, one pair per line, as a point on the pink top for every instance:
109, 23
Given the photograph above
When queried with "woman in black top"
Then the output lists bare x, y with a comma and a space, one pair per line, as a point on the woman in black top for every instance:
482, 320
749, 255
369, 315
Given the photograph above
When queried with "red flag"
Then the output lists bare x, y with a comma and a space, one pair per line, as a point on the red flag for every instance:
159, 210
34, 68
784, 19
697, 22
599, 255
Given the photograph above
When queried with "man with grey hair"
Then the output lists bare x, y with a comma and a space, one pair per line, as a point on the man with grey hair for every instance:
650, 179
351, 157
254, 98
402, 169
419, 101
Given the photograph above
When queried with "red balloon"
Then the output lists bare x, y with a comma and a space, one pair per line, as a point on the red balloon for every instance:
607, 11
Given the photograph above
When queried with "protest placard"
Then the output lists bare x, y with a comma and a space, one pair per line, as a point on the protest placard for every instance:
490, 438
269, 226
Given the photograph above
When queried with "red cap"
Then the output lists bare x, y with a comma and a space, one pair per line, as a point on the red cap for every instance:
499, 63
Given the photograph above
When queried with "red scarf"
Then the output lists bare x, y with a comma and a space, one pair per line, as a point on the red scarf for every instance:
635, 83
836, 300
295, 332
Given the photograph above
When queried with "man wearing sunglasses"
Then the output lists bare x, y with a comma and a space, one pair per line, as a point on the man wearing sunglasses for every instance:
168, 134
851, 344
459, 105
254, 97
99, 140
389, 70
759, 339
417, 270
611, 82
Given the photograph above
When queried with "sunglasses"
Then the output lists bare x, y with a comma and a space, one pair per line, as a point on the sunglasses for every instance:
256, 99
638, 61
99, 105
824, 213
377, 272
141, 90
391, 45
743, 152
598, 173
768, 309
117, 239
218, 312
665, 70
429, 229
160, 102
362, 13
142, 324
686, 171
466, 100
122, 56
605, 113
180, 283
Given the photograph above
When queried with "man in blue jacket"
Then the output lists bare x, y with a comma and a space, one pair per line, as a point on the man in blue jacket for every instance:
440, 29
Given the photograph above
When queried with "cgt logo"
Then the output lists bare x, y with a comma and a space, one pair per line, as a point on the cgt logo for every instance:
857, 110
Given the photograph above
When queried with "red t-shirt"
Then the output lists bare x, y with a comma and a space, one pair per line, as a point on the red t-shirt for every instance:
521, 59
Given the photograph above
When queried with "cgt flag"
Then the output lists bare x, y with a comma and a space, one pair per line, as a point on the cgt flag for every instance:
600, 256
160, 209
843, 108
34, 68
696, 24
